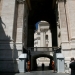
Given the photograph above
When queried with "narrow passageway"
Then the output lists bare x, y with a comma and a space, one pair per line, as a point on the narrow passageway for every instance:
41, 62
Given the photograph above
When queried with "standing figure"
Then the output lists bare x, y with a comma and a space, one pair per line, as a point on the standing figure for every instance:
72, 66
28, 65
53, 65
42, 66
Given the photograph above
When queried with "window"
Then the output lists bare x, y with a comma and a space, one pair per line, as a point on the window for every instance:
46, 37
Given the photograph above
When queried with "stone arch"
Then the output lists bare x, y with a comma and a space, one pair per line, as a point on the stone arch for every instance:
34, 63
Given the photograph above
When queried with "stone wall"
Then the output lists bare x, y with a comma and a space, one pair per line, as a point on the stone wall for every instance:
66, 11
6, 40
11, 34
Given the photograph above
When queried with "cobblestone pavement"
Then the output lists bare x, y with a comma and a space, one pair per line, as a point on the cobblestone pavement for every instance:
35, 73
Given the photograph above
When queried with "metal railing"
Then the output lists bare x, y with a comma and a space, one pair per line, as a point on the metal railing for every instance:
43, 48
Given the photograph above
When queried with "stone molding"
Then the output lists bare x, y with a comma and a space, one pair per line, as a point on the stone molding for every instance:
60, 0
21, 1
43, 30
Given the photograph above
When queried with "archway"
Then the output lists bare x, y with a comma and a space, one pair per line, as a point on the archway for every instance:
34, 62
41, 10
42, 63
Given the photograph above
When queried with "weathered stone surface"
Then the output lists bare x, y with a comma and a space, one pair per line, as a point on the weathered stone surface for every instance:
63, 24
71, 17
7, 20
6, 46
6, 54
66, 53
20, 22
8, 66
66, 45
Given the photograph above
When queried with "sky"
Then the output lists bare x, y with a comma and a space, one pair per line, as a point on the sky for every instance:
36, 25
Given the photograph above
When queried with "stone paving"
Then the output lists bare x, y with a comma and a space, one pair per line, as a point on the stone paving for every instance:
35, 73
41, 73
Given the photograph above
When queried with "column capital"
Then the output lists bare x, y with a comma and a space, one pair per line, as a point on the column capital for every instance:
21, 1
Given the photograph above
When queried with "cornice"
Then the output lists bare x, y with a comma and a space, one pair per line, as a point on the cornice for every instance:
21, 1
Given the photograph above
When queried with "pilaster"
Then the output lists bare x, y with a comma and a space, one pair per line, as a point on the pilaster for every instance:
70, 7
64, 32
70, 11
62, 21
42, 38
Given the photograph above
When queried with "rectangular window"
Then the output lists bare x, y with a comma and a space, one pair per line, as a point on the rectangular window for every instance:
46, 37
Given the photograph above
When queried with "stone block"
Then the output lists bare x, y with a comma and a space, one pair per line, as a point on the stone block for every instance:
8, 66
72, 45
66, 45
6, 46
6, 54
66, 53
18, 46
73, 52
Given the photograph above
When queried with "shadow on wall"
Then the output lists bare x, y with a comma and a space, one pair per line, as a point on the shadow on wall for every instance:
7, 52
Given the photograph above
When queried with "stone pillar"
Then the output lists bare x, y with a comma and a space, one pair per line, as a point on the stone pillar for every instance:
6, 40
65, 44
18, 47
70, 10
63, 25
71, 17
42, 38
20, 22
44, 34
62, 20
50, 38
38, 39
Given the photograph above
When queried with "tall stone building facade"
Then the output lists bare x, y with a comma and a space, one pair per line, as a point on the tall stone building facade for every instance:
42, 36
14, 26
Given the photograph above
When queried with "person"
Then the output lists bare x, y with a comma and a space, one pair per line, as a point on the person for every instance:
53, 65
42, 66
72, 66
28, 65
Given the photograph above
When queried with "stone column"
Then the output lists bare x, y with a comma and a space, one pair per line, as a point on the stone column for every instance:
62, 20
20, 22
65, 45
38, 39
50, 38
42, 38
71, 17
44, 34
63, 25
70, 10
